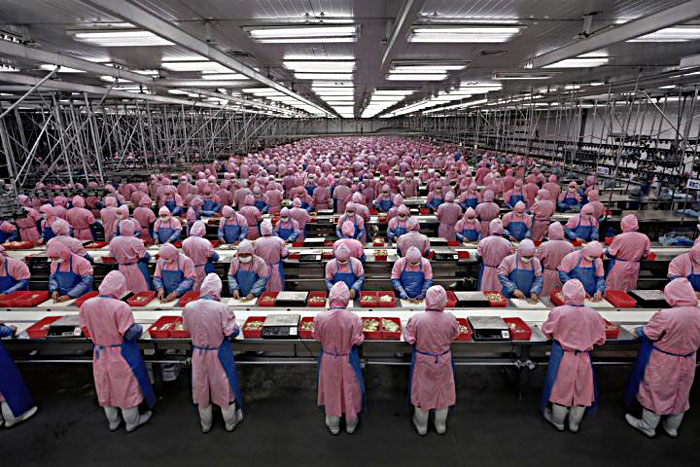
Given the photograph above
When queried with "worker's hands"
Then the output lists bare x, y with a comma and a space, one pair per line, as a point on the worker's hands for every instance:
171, 296
62, 298
250, 296
161, 294
54, 295
352, 293
518, 294
580, 240
513, 239
236, 294
13, 328
597, 297
534, 298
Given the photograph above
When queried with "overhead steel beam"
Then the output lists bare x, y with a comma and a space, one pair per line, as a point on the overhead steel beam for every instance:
645, 25
143, 18
404, 21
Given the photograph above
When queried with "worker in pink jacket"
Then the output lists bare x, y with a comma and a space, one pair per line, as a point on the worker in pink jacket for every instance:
409, 186
174, 275
62, 231
27, 225
201, 252
487, 211
321, 199
520, 274
121, 378
542, 211
570, 382
585, 265
491, 251
514, 195
132, 257
273, 250
594, 202
550, 254
341, 388
448, 213
302, 217
413, 238
108, 216
356, 248
214, 376
253, 217
530, 189
144, 215
81, 220
431, 379
665, 368
552, 186
14, 274
517, 225
687, 265
626, 252
468, 229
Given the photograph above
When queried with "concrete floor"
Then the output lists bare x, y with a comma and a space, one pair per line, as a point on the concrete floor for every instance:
490, 426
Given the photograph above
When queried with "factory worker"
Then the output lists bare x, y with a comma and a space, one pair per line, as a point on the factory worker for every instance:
214, 377
586, 266
123, 215
530, 189
287, 228
355, 246
174, 275
48, 217
194, 211
133, 259
144, 215
398, 225
14, 274
514, 195
508, 180
259, 200
687, 265
413, 238
569, 199
201, 252
663, 374
583, 226
448, 213
588, 186
626, 252
16, 404
341, 194
357, 221
468, 229
121, 377
435, 197
70, 276
302, 217
273, 250
184, 188
321, 197
412, 275
28, 224
81, 219
167, 228
211, 203
393, 211
341, 389
248, 274
409, 186
345, 268
431, 379
520, 274
552, 186
384, 201
233, 227
516, 224
470, 198
594, 202
62, 235
59, 205
170, 199
487, 211
542, 211
490, 252
550, 254
253, 217
108, 217
310, 184
570, 383
8, 232
240, 194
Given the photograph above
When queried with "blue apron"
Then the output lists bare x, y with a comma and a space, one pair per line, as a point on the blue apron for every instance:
284, 234
6, 282
415, 351
172, 279
246, 280
48, 233
434, 203
517, 229
471, 203
66, 280
356, 233
164, 233
385, 204
208, 205
412, 281
635, 380
229, 365
170, 204
6, 236
232, 231
354, 359
348, 277
553, 369
515, 198
583, 231
12, 385
570, 200
310, 190
522, 277
471, 235
694, 279
261, 205
398, 231
585, 275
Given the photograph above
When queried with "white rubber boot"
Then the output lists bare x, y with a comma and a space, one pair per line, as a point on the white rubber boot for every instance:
333, 424
206, 417
672, 423
575, 416
112, 414
232, 416
133, 419
10, 419
441, 420
556, 416
420, 420
647, 424
351, 425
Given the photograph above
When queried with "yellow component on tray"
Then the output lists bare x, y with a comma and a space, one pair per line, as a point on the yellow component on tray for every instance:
370, 325
254, 325
390, 326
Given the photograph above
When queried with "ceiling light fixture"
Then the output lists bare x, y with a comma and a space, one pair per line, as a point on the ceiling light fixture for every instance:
673, 34
120, 38
305, 34
463, 33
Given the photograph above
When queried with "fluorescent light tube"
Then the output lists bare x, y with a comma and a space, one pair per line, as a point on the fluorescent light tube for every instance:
224, 76
464, 34
324, 76
672, 34
123, 38
416, 77
63, 69
305, 34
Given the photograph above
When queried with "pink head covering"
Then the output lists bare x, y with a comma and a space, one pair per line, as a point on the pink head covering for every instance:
339, 296
342, 253
518, 183
412, 225
403, 210
127, 227
413, 255
587, 209
593, 249
211, 286
266, 228
163, 211
113, 285
435, 298
284, 212
531, 178
574, 293
145, 202
348, 229
552, 179
246, 247
47, 209
555, 231
350, 207
526, 248
593, 195
60, 227
679, 292
573, 184
519, 207
694, 252
78, 202
543, 194
248, 200
450, 197
227, 211
470, 213
58, 250
168, 252
110, 202
496, 227
198, 229
296, 203
398, 200
196, 202
488, 196
629, 223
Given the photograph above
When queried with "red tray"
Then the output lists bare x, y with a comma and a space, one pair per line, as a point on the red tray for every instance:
556, 297
391, 336
267, 299
179, 333
463, 254
451, 299
17, 245
328, 243
6, 299
620, 299
379, 242
298, 244
609, 240
500, 302
327, 255
576, 242
387, 304
316, 303
519, 331
141, 299
651, 257
306, 334
467, 335
380, 255
366, 303
96, 245
177, 244
109, 260
214, 243
373, 212
424, 211
452, 243
293, 255
252, 333
611, 331
26, 299
187, 298
39, 329
537, 242
162, 328
84, 298
382, 219
373, 335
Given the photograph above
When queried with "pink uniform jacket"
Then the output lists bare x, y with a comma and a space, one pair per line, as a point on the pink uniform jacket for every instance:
492, 250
